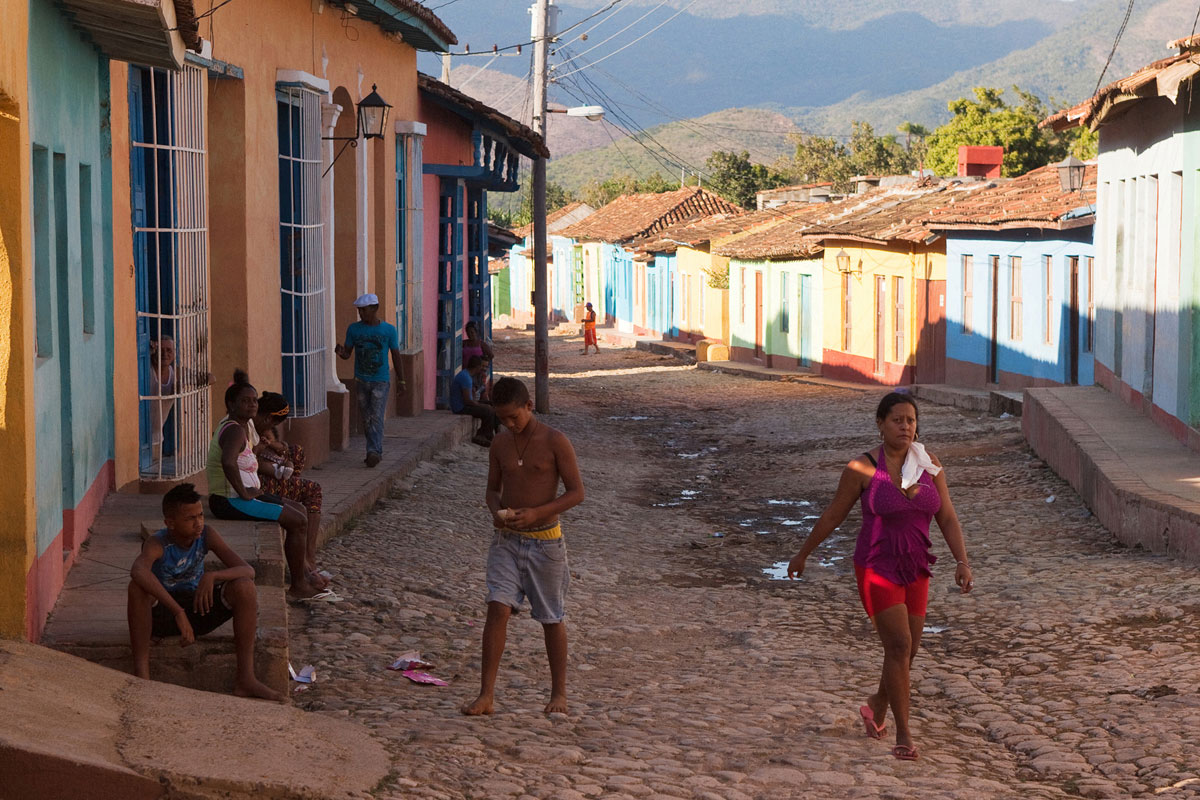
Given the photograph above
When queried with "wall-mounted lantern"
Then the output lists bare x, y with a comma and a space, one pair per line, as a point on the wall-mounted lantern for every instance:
1070, 174
843, 261
370, 123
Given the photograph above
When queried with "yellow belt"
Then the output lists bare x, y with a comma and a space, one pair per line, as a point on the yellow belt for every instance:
553, 532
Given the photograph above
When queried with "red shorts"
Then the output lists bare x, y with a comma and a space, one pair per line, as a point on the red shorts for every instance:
589, 336
879, 594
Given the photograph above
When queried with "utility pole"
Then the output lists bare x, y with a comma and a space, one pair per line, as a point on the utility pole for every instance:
541, 299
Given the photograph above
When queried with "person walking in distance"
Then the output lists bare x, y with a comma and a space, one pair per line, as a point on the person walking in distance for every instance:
589, 329
527, 557
370, 340
901, 488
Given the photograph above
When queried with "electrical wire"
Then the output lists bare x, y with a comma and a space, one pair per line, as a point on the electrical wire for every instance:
1116, 41
644, 35
627, 27
519, 45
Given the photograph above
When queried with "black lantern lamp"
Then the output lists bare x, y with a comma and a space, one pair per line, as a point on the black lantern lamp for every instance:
370, 123
372, 115
1070, 174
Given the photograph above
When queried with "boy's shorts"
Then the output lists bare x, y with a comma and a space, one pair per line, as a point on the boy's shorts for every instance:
523, 566
163, 621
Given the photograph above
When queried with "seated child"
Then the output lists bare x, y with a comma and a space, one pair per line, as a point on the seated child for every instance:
276, 452
171, 594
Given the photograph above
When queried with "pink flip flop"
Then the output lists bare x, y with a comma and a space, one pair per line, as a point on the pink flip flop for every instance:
904, 752
868, 718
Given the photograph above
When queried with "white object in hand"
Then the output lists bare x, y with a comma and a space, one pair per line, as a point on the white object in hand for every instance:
506, 514
915, 463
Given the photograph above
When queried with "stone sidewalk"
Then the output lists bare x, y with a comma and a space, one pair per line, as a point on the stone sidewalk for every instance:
1139, 481
89, 618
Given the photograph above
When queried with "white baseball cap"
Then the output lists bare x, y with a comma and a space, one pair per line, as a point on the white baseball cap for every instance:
365, 300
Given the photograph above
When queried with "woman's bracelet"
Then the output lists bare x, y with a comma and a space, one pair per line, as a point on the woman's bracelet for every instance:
965, 564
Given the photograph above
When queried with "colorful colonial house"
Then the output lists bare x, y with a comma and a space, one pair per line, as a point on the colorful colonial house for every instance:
776, 279
566, 271
470, 149
1147, 331
316, 205
59, 347
630, 295
697, 279
884, 295
1019, 282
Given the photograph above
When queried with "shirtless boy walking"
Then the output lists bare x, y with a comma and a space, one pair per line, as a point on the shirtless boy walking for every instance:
528, 557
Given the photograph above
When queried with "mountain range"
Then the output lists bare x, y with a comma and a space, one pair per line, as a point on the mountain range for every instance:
732, 76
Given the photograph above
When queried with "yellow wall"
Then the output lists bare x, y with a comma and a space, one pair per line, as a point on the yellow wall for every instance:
18, 547
908, 261
713, 302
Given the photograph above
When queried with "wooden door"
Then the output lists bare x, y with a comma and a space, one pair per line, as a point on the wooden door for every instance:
1073, 322
994, 334
758, 314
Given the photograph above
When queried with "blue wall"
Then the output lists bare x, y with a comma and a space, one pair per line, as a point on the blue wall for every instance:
69, 128
1030, 355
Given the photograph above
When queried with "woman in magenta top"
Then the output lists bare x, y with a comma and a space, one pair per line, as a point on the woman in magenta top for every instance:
901, 488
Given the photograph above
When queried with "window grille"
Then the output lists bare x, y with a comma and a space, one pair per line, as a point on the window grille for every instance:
301, 256
169, 204
402, 240
1015, 305
968, 283
784, 301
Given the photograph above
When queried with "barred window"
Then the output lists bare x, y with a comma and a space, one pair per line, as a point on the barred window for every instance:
301, 258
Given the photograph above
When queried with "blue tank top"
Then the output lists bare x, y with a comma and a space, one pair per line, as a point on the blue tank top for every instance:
180, 569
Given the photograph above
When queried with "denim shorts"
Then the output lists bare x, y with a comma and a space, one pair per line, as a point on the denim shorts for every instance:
521, 566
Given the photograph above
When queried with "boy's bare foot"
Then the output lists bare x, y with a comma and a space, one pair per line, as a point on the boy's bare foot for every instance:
258, 689
557, 704
484, 704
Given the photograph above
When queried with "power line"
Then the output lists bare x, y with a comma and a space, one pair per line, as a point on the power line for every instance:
618, 33
1116, 41
643, 36
520, 45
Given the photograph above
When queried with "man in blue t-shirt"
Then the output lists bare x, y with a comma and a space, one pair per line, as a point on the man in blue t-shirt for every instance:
465, 399
370, 339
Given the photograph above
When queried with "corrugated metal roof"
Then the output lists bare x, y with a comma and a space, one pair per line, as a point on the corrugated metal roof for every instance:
634, 215
568, 214
1032, 200
1161, 78
700, 232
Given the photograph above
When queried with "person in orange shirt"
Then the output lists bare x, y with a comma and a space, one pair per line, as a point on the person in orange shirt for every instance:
589, 329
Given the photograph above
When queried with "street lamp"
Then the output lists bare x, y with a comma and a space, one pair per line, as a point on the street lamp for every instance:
1070, 174
590, 113
370, 123
843, 261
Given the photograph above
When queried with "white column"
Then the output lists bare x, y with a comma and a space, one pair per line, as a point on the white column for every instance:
329, 117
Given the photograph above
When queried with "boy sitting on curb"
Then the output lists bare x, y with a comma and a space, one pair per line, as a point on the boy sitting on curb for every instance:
171, 594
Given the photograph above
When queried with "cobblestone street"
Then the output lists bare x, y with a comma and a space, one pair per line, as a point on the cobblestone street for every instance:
1070, 671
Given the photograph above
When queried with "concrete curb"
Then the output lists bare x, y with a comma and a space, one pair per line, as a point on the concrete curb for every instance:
1135, 512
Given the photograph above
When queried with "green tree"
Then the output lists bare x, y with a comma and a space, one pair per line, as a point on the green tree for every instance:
989, 120
877, 155
601, 193
514, 210
737, 179
820, 159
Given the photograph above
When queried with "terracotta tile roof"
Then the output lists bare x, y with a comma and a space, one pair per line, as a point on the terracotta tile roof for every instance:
518, 133
1033, 200
1161, 78
876, 217
526, 231
634, 215
786, 236
701, 232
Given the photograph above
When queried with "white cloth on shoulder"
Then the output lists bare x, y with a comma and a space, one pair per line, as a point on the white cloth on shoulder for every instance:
916, 463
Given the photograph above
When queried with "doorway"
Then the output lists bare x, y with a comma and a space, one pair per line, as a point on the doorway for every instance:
758, 315
994, 336
880, 322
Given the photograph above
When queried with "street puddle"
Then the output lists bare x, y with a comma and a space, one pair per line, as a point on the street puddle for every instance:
689, 493
830, 561
777, 571
630, 419
689, 455
789, 503
935, 629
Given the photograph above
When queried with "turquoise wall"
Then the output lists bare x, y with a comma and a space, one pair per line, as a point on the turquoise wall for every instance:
69, 128
792, 307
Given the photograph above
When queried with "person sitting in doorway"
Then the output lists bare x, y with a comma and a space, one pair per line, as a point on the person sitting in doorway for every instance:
171, 594
466, 398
